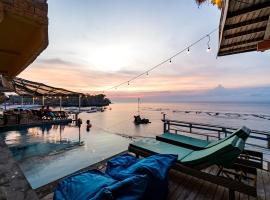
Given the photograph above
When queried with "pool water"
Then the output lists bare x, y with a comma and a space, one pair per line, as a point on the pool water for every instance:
49, 152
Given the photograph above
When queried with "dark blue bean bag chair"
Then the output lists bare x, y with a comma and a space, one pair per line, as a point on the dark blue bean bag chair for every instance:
126, 178
155, 167
95, 185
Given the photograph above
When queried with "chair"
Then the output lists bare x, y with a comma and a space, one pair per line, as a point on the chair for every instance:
192, 162
248, 157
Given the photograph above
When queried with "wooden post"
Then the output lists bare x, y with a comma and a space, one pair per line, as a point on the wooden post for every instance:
21, 101
190, 128
268, 141
33, 100
79, 103
60, 99
43, 101
225, 131
164, 123
79, 135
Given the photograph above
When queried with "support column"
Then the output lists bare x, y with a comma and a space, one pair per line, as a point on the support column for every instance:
79, 103
33, 100
43, 100
21, 101
60, 99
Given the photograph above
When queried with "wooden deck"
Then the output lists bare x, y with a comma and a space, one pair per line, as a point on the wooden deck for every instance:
182, 187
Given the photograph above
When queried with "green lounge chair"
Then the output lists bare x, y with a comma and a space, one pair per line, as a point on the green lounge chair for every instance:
251, 158
198, 144
192, 161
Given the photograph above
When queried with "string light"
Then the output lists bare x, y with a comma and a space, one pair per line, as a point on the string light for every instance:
167, 60
188, 52
208, 44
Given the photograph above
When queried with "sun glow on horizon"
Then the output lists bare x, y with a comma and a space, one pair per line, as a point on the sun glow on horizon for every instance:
111, 57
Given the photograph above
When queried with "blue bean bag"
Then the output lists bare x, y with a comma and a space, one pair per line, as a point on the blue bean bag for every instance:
95, 185
155, 167
132, 188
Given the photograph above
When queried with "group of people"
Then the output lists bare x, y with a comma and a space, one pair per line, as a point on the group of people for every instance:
47, 113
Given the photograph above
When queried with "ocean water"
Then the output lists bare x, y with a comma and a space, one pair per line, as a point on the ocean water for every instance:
47, 153
120, 119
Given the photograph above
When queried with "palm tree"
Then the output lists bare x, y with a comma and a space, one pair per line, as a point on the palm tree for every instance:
217, 3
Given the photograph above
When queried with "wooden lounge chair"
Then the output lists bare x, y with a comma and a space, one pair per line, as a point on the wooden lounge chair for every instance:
192, 162
248, 157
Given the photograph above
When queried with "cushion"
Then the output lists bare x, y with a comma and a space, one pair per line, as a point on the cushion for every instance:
132, 188
154, 146
156, 168
82, 186
183, 140
217, 154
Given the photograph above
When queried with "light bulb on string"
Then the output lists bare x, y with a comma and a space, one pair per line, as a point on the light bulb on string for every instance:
147, 73
128, 82
188, 52
170, 61
208, 44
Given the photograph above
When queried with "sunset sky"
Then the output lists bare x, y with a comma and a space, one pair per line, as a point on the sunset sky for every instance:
96, 44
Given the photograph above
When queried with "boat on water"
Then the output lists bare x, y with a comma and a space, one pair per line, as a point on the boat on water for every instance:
92, 110
137, 118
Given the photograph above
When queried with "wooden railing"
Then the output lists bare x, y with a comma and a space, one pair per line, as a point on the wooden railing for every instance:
258, 140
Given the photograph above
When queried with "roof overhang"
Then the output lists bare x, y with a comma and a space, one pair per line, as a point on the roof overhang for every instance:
23, 34
244, 26
25, 87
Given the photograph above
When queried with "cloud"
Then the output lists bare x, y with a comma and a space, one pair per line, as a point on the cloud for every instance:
54, 61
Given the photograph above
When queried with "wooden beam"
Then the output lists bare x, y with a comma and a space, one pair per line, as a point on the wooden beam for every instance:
263, 46
246, 23
252, 8
238, 50
256, 30
242, 43
267, 31
9, 52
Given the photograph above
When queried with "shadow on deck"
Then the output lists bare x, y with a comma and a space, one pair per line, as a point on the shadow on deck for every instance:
182, 186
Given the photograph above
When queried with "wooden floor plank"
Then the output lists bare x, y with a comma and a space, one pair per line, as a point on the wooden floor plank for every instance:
196, 189
178, 180
188, 188
219, 193
260, 186
203, 191
266, 183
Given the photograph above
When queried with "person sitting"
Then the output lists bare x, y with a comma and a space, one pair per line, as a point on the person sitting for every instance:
49, 113
88, 125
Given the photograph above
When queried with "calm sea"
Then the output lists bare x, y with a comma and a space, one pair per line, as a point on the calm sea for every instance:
120, 118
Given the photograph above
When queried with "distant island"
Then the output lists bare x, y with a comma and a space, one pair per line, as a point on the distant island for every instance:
87, 100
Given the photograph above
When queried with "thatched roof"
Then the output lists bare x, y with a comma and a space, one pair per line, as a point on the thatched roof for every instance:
29, 88
244, 26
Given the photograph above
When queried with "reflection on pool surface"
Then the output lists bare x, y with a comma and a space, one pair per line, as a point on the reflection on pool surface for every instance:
49, 152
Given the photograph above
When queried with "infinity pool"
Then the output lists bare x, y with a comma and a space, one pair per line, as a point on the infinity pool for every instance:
49, 152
